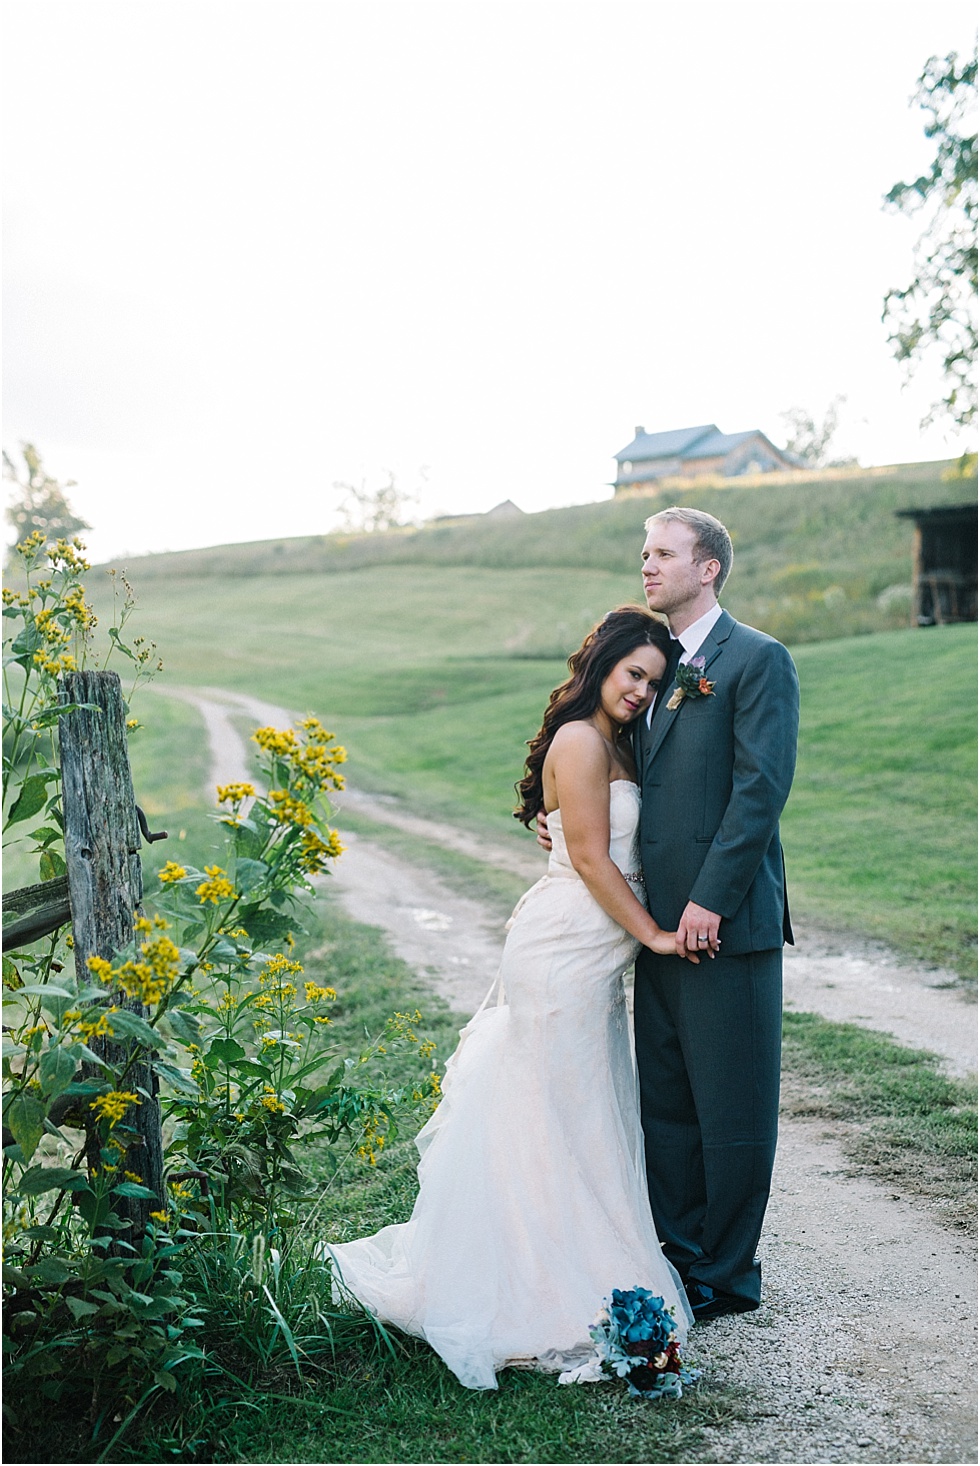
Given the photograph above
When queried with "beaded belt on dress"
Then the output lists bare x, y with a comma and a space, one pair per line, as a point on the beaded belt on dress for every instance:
635, 876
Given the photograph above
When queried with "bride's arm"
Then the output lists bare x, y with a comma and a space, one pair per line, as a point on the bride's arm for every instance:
580, 765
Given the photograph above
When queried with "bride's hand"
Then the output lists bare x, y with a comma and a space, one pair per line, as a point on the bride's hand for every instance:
664, 944
544, 838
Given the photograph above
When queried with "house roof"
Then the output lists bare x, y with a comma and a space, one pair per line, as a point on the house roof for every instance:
664, 445
717, 443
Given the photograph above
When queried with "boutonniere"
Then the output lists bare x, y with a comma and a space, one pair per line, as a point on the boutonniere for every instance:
691, 683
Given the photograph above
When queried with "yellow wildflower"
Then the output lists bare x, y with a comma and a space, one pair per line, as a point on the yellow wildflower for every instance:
101, 1028
317, 994
151, 978
272, 1103
100, 968
272, 740
217, 888
235, 793
160, 1217
373, 1141
113, 1106
315, 852
172, 872
64, 556
277, 965
289, 810
315, 731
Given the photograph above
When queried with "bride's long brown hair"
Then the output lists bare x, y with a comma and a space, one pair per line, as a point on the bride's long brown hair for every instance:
616, 635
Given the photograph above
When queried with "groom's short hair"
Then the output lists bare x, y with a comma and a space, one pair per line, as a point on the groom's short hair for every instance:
711, 539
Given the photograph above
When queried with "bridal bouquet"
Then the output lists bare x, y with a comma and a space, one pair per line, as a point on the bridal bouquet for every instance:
636, 1340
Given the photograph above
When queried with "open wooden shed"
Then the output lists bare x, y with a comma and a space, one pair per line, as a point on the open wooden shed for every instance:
944, 569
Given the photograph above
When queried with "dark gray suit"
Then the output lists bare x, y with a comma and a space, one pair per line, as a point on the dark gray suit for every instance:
715, 775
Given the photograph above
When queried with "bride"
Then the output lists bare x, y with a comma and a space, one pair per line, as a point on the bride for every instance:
533, 1200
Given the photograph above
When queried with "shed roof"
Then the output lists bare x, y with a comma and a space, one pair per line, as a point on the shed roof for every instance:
941, 514
664, 445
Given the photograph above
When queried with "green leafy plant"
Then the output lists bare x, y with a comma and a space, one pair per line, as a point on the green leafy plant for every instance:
102, 1311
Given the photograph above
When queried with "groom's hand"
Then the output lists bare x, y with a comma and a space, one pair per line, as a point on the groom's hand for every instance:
544, 839
698, 931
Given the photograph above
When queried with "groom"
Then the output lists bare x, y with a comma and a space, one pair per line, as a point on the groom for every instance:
715, 764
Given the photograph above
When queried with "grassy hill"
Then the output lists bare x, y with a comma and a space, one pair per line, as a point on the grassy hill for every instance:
880, 828
431, 653
816, 555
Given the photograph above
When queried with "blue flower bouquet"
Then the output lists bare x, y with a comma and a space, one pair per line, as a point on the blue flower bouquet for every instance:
636, 1340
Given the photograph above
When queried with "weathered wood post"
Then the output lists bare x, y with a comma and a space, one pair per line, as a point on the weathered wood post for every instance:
105, 880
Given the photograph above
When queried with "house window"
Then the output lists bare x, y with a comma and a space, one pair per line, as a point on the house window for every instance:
627, 467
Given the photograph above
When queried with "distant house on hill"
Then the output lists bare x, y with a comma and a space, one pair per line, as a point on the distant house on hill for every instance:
507, 509
695, 453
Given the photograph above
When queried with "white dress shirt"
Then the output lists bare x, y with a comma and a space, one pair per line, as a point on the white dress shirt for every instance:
691, 639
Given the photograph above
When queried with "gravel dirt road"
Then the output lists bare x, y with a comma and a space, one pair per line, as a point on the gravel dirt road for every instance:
864, 1349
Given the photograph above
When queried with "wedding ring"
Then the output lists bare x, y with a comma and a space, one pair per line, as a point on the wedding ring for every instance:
702, 939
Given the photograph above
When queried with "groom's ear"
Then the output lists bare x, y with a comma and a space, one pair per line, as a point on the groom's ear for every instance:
710, 571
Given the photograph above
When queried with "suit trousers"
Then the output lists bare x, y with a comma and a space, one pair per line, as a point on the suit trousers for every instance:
708, 1054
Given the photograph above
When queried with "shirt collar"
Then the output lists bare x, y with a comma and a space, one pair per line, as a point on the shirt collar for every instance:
692, 637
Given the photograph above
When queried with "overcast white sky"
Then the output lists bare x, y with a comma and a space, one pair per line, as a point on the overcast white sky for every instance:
253, 247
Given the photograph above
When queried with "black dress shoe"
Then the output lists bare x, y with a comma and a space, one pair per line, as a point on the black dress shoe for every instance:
707, 1303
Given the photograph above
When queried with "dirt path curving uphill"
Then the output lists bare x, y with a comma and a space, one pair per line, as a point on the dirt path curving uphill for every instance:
864, 1349
851, 981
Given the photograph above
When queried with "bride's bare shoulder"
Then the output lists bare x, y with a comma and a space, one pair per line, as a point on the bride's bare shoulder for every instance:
579, 740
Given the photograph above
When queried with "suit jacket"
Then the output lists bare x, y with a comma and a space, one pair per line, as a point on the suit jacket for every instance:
715, 774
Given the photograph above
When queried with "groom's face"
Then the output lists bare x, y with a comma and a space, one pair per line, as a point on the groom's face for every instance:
672, 578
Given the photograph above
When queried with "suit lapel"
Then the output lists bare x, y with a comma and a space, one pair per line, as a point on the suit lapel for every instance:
711, 648
639, 746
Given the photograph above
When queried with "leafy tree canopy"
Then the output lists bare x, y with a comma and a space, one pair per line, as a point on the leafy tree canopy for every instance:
371, 511
935, 312
810, 441
39, 501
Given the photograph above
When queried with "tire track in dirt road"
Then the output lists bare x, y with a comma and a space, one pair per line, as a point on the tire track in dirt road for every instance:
864, 1349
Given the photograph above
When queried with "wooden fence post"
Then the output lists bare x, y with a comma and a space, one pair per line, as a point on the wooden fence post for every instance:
105, 880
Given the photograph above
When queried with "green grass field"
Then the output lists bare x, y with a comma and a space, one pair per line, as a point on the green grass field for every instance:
816, 557
434, 672
431, 654
879, 830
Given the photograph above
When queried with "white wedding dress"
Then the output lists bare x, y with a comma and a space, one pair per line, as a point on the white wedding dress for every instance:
533, 1202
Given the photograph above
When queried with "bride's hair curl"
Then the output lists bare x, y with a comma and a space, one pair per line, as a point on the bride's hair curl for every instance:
613, 638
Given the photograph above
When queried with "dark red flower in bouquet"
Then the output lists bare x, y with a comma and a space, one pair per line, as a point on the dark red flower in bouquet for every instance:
644, 1378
